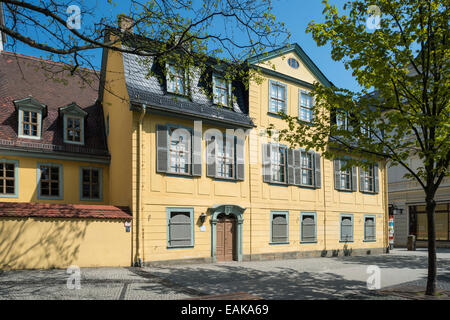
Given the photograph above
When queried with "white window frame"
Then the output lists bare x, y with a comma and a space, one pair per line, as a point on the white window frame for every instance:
276, 165
171, 77
284, 99
309, 110
178, 152
21, 123
347, 173
66, 119
226, 87
304, 168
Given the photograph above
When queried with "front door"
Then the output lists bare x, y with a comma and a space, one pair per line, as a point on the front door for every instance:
226, 226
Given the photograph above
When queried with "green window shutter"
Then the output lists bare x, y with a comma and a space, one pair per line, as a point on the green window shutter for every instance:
337, 174
279, 228
376, 178
197, 154
211, 157
162, 143
308, 228
354, 179
240, 158
297, 167
317, 171
290, 166
267, 162
180, 229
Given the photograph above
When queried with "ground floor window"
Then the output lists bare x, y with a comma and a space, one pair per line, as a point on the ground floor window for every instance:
279, 227
369, 228
418, 223
308, 227
346, 228
180, 227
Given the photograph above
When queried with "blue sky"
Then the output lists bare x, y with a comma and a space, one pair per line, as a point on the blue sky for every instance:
296, 14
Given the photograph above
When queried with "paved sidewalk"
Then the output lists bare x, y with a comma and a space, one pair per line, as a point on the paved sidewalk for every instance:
307, 278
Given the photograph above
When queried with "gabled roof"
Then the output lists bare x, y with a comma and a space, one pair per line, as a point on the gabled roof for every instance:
73, 109
300, 53
31, 102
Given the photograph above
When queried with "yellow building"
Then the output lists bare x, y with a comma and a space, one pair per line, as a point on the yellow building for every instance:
205, 185
54, 171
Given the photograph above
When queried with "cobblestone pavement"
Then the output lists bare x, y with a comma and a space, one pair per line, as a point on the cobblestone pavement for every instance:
307, 278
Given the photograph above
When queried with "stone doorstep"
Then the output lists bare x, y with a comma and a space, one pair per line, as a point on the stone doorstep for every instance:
413, 292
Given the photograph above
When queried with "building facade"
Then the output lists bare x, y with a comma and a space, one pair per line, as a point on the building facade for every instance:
204, 182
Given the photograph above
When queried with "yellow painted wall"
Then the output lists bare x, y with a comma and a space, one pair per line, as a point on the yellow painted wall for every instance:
28, 188
40, 243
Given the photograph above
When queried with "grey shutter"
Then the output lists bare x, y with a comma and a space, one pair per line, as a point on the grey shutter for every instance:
279, 228
215, 100
290, 166
267, 165
317, 171
346, 229
230, 94
362, 187
297, 167
197, 154
376, 179
211, 157
308, 229
162, 153
240, 158
180, 229
369, 229
354, 178
337, 175
230, 141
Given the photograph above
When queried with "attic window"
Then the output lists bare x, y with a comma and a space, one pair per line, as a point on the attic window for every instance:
73, 122
176, 80
293, 63
222, 91
30, 115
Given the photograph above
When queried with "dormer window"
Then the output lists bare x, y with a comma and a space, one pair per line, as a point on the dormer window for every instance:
221, 91
73, 122
176, 80
30, 115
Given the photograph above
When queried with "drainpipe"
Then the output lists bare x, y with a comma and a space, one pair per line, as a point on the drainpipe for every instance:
139, 229
386, 207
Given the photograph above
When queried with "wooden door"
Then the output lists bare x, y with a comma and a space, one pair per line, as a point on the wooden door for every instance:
225, 238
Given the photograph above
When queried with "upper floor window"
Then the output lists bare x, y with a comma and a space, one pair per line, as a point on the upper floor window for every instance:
222, 91
368, 179
305, 112
176, 80
277, 97
225, 156
30, 115
180, 150
344, 179
73, 123
8, 178
342, 121
307, 169
279, 164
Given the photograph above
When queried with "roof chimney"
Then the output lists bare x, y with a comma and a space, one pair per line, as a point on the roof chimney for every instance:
126, 23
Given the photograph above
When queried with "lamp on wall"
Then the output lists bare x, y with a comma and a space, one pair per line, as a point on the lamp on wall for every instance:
202, 218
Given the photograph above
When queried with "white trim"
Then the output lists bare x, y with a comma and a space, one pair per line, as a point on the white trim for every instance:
20, 125
66, 116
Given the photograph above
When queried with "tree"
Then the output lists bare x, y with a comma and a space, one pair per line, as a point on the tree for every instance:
403, 109
201, 33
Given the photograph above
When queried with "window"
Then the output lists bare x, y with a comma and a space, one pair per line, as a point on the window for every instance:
175, 80
344, 180
305, 112
280, 227
50, 184
73, 129
30, 123
8, 178
225, 159
367, 179
293, 63
180, 150
175, 149
346, 228
308, 227
369, 228
279, 164
91, 183
180, 227
30, 115
222, 91
307, 169
277, 97
342, 120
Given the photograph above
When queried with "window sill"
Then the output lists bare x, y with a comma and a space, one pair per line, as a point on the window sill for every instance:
369, 240
49, 198
278, 243
307, 123
275, 114
346, 241
344, 190
279, 184
9, 195
224, 179
180, 247
87, 199
308, 242
178, 175
369, 192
